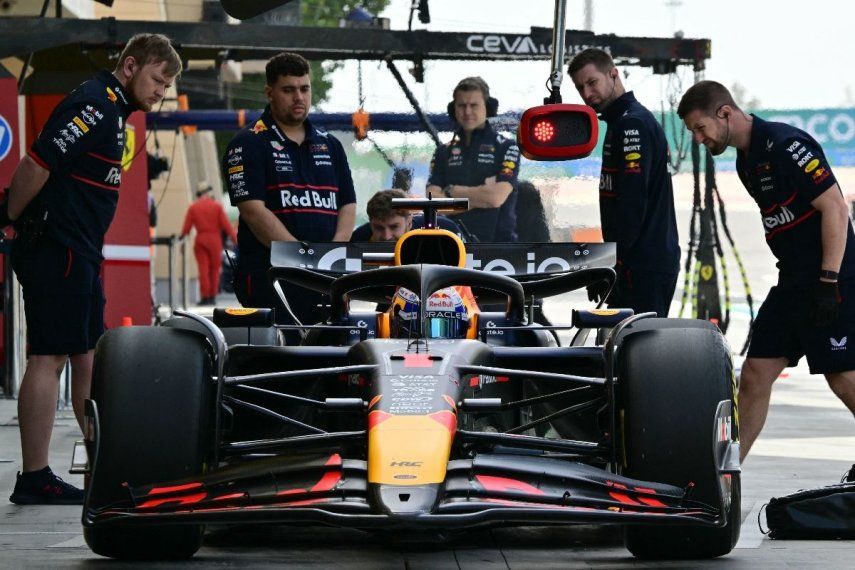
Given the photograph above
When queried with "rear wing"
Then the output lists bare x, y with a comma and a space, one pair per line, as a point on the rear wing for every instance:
511, 259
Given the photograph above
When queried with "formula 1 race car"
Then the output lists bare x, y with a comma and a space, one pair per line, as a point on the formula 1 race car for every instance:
425, 413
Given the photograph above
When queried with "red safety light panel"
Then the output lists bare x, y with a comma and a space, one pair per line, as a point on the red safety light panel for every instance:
558, 132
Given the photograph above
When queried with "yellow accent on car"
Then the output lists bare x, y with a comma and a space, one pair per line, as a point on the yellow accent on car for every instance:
408, 450
240, 312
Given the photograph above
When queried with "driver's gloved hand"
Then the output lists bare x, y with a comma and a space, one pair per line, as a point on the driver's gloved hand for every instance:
825, 304
597, 291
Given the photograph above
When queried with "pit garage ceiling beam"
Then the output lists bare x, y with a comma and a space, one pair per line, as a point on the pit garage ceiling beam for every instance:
95, 39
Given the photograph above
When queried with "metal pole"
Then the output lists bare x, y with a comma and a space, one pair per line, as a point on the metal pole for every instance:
558, 33
171, 261
184, 285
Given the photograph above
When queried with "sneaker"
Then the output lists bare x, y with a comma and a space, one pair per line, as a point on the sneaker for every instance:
44, 487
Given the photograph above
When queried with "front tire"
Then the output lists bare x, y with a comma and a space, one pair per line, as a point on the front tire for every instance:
154, 393
671, 381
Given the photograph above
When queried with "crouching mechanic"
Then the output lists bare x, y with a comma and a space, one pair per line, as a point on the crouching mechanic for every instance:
478, 164
811, 311
290, 182
385, 223
636, 196
63, 195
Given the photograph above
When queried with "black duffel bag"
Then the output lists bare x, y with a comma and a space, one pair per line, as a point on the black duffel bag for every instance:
824, 513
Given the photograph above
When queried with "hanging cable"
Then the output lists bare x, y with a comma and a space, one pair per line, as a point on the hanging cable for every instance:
688, 281
710, 205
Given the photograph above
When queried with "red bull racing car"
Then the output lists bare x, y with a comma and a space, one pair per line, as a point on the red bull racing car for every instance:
429, 412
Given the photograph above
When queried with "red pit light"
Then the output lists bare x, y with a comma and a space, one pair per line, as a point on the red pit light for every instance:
543, 131
557, 132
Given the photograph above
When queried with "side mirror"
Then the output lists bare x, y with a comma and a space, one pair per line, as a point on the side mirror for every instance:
558, 132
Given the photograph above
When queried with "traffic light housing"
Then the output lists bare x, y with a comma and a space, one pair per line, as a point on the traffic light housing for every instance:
558, 132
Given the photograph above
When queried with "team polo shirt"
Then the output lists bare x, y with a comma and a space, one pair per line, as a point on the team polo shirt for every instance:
305, 185
636, 196
784, 170
81, 145
487, 154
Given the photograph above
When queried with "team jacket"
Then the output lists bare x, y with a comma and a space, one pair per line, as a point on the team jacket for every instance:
784, 171
305, 185
636, 197
81, 145
488, 154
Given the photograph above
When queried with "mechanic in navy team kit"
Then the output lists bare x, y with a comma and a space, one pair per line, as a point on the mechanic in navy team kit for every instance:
63, 196
478, 164
811, 311
385, 223
636, 196
290, 182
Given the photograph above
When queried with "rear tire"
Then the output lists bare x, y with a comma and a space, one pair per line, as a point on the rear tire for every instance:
154, 392
671, 381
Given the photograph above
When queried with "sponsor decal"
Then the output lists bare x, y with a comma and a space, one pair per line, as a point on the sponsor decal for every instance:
98, 114
318, 148
259, 127
67, 136
509, 164
234, 159
769, 145
114, 176
632, 166
323, 163
764, 167
308, 199
604, 312
234, 169
495, 43
783, 216
838, 344
88, 118
277, 145
606, 182
239, 312
60, 144
79, 122
284, 168
820, 174
794, 146
632, 147
455, 151
506, 172
487, 148
805, 159
811, 166
631, 132
236, 176
74, 130
111, 95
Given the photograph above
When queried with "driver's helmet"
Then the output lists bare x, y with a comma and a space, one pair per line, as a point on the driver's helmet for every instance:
447, 314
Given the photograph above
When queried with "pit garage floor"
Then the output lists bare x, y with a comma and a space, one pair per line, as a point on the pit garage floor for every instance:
809, 441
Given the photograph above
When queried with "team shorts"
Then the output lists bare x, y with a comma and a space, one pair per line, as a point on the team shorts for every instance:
63, 298
782, 330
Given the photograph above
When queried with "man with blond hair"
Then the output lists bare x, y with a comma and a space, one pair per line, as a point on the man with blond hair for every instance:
62, 200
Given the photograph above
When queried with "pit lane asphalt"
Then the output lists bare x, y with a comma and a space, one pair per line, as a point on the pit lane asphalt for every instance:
808, 442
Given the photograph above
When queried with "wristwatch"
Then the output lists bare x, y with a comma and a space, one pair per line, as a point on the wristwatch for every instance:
446, 191
828, 274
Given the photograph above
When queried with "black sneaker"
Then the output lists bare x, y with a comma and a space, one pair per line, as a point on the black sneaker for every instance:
44, 487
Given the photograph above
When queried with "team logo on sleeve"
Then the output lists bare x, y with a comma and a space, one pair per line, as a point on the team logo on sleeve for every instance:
820, 174
811, 166
111, 95
277, 145
632, 167
632, 156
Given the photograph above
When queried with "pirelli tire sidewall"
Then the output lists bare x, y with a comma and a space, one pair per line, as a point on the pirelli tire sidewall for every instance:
671, 378
154, 393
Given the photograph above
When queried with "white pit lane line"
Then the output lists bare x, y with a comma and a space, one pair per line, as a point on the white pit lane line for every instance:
750, 535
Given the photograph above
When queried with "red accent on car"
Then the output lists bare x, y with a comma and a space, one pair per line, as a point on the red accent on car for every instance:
446, 418
291, 492
186, 500
334, 460
174, 489
327, 482
504, 484
417, 361
230, 496
377, 417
